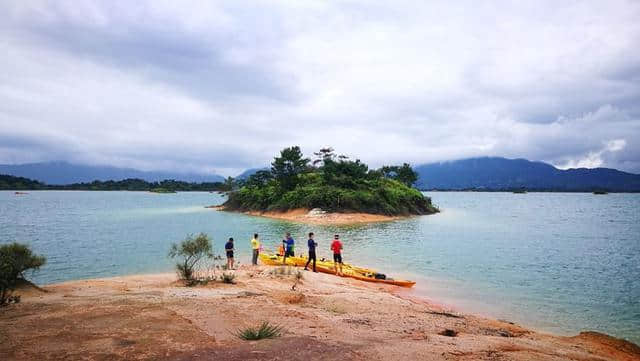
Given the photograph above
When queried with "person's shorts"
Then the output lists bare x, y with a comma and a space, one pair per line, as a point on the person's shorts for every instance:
289, 253
337, 258
229, 254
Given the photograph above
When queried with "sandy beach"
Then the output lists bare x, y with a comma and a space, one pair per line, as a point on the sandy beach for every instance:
303, 215
156, 317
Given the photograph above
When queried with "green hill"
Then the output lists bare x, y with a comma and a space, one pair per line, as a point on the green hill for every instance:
9, 182
333, 183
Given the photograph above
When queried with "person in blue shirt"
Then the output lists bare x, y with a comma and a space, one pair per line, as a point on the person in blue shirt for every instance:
312, 252
288, 243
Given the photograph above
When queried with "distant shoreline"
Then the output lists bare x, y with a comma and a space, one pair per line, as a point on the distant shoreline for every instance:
222, 192
526, 191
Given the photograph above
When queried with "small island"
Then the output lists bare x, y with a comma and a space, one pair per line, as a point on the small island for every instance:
330, 187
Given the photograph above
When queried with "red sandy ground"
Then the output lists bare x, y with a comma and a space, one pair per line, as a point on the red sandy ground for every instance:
154, 317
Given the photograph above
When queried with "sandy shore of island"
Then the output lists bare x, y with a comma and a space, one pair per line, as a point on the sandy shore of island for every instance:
155, 317
303, 215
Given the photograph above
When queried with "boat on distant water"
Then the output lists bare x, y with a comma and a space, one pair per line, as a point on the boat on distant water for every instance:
20, 193
600, 192
520, 191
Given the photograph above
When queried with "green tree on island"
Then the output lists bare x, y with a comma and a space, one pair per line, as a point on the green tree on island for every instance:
288, 166
404, 173
334, 183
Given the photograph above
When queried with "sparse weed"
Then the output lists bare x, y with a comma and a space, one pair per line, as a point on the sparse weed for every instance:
266, 330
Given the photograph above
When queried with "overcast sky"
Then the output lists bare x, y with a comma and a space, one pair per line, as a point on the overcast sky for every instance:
218, 86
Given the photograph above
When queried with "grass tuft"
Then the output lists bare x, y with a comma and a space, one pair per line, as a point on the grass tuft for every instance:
266, 330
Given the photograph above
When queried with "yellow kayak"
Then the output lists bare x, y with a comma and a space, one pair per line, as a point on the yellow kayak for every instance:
363, 274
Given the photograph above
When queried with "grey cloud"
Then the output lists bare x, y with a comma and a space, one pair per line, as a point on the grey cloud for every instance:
225, 85
160, 50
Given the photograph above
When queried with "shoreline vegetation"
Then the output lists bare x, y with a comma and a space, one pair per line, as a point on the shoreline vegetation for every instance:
13, 183
332, 183
156, 316
8, 182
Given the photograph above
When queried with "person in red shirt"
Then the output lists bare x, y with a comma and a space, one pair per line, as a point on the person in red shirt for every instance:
336, 247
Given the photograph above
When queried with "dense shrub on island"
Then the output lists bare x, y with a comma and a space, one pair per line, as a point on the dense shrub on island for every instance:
333, 183
15, 260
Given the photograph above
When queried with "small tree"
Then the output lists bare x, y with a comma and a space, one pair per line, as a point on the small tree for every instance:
404, 173
287, 166
15, 260
192, 250
407, 175
323, 155
259, 178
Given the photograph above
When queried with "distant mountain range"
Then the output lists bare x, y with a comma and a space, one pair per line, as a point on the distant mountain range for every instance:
58, 173
494, 173
485, 173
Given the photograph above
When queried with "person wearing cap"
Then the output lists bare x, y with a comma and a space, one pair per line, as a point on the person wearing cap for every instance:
336, 247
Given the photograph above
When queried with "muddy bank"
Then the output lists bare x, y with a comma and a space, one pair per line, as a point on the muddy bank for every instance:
154, 317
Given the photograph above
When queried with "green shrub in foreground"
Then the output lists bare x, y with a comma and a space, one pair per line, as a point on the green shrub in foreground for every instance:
192, 251
15, 260
266, 330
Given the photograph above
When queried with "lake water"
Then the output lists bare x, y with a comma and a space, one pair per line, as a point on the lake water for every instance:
557, 262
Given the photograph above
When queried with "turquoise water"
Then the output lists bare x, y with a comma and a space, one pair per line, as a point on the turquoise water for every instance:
553, 261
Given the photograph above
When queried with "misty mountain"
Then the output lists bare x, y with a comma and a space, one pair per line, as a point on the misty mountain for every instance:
494, 173
58, 173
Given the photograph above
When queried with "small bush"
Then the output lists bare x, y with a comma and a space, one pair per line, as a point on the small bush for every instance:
228, 278
193, 251
15, 260
266, 330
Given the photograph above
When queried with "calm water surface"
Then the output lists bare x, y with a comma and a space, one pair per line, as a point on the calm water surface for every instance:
553, 261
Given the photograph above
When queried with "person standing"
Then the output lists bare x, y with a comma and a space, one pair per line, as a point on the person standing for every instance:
288, 243
255, 245
229, 248
312, 252
336, 247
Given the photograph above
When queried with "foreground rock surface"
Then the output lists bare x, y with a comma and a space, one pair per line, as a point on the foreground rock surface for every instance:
154, 317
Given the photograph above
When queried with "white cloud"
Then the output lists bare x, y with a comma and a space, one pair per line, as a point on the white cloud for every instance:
595, 159
223, 86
